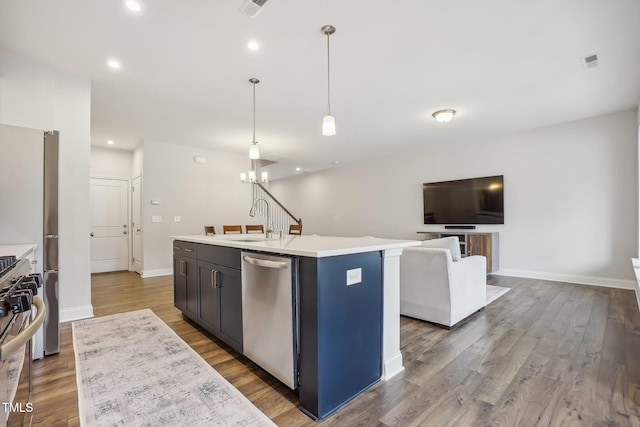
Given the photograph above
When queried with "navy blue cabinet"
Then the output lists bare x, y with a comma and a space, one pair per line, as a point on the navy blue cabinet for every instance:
208, 289
340, 330
185, 279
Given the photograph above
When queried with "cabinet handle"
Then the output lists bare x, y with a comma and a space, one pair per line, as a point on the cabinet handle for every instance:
187, 250
214, 279
182, 267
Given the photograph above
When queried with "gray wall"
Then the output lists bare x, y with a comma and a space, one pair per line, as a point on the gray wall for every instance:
201, 194
571, 197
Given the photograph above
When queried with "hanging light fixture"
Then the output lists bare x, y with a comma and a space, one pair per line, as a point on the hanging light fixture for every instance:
328, 121
254, 152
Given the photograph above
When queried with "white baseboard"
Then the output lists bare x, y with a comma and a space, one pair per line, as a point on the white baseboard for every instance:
392, 367
635, 262
568, 278
76, 313
156, 273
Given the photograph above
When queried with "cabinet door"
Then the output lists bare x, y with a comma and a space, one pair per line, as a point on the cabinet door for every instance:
230, 286
185, 285
209, 277
480, 244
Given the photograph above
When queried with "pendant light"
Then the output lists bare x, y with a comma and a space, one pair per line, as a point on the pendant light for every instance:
328, 121
254, 152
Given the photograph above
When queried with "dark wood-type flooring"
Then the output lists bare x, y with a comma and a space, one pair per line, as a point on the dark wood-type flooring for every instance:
546, 353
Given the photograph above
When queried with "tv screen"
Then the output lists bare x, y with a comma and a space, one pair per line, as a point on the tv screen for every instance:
464, 201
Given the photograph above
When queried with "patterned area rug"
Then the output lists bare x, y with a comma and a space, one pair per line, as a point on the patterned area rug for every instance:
495, 292
133, 370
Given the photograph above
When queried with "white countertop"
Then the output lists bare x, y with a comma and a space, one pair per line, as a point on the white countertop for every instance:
20, 251
307, 245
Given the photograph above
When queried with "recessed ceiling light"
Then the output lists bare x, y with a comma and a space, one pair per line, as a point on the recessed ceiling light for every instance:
133, 5
110, 142
253, 45
114, 64
336, 162
298, 169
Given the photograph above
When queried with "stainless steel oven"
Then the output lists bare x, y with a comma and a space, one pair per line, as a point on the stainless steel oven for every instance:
21, 315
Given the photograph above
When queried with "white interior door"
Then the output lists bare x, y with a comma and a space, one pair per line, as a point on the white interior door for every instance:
136, 219
109, 230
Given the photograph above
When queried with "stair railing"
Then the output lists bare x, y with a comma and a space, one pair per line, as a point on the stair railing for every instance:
281, 217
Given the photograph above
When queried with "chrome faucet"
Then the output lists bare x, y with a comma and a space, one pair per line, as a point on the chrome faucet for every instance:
252, 213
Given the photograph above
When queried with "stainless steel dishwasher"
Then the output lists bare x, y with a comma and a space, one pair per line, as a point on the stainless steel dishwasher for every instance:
269, 314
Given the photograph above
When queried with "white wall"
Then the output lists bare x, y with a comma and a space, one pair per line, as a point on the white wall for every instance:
37, 96
201, 194
111, 163
571, 199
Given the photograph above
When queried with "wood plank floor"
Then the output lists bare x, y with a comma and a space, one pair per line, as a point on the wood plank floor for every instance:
546, 353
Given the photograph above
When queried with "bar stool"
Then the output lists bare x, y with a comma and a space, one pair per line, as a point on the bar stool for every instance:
209, 230
254, 229
295, 229
232, 229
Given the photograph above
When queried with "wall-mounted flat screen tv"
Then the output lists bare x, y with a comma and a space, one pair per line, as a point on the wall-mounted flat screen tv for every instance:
464, 201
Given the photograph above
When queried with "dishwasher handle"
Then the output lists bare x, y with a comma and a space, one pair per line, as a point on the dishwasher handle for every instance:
265, 262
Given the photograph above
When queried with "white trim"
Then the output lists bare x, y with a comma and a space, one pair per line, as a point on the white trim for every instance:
568, 278
392, 366
635, 262
392, 252
76, 313
158, 272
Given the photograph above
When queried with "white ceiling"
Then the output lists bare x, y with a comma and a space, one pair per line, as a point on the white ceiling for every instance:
504, 65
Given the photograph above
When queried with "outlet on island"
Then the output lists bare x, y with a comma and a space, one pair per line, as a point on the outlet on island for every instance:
354, 276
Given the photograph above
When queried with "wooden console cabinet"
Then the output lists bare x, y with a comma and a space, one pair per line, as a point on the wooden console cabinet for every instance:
475, 243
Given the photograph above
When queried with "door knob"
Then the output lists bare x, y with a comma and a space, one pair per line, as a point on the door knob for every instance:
124, 232
92, 234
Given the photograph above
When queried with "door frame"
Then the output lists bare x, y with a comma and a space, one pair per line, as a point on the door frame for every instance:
129, 241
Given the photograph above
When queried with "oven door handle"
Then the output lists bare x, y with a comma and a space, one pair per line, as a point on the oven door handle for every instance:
17, 342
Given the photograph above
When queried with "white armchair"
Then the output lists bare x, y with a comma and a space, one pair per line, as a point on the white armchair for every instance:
439, 286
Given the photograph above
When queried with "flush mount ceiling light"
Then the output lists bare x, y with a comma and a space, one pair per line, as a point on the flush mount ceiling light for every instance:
110, 142
443, 116
328, 121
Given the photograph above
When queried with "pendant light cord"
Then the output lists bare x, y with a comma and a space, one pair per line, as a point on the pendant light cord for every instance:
328, 76
254, 113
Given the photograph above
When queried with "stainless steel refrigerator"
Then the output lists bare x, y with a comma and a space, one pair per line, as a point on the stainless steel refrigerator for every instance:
29, 213
50, 243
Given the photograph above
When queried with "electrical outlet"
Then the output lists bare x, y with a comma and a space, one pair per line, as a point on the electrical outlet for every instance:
354, 276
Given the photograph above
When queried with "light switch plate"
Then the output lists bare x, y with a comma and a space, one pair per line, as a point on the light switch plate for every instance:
354, 276
156, 218
177, 218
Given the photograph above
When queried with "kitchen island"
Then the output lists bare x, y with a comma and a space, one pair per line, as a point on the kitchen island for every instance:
346, 306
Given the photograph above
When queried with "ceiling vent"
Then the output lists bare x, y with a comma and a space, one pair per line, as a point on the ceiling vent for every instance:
252, 8
589, 61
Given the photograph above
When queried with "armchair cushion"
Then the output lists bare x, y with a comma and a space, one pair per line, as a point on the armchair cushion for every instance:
452, 243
